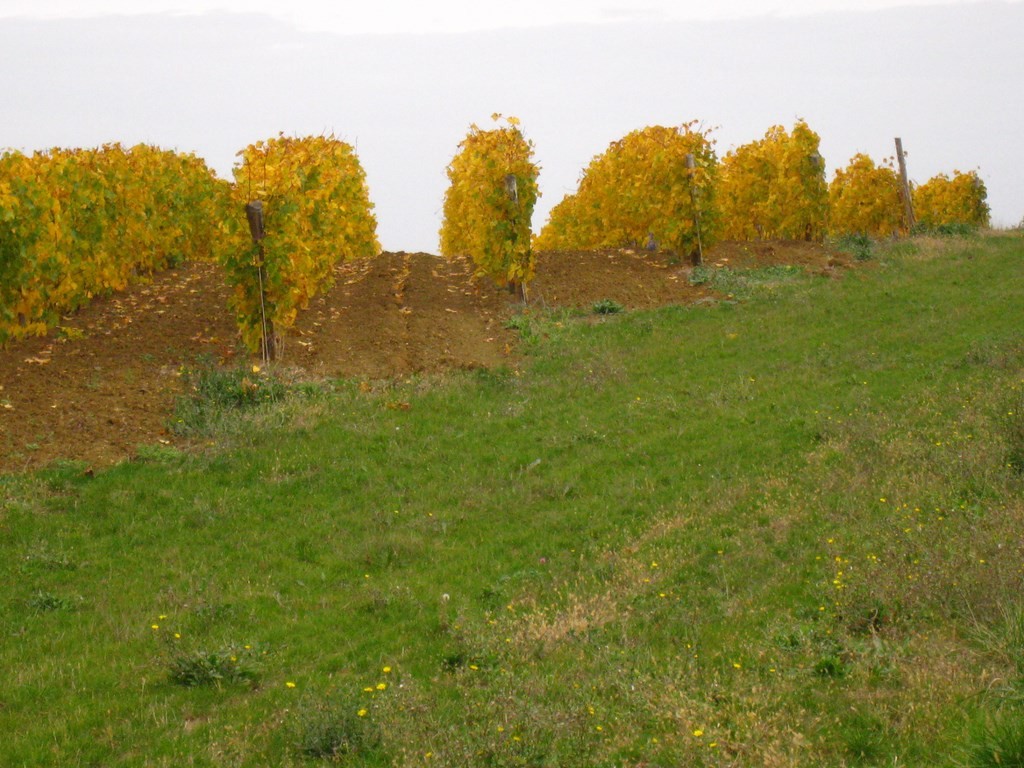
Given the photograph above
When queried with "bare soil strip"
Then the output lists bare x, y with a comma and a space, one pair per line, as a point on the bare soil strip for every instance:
105, 381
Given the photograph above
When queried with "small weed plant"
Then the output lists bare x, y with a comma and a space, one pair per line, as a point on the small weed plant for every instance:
859, 246
952, 229
337, 729
607, 307
701, 275
45, 602
743, 283
213, 393
536, 325
997, 741
228, 664
191, 660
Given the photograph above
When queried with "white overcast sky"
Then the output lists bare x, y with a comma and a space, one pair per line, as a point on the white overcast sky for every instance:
402, 80
430, 16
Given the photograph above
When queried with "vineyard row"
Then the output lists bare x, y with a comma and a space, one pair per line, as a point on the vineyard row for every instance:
79, 223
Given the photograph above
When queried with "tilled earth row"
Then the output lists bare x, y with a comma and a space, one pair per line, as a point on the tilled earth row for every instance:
105, 382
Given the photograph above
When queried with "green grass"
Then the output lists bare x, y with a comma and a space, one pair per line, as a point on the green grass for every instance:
779, 532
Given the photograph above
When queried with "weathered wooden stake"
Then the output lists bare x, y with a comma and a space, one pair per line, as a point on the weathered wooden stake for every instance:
908, 203
512, 190
512, 187
697, 258
254, 213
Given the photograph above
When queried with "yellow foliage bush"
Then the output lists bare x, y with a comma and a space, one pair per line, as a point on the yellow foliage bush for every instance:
75, 223
640, 189
775, 187
488, 206
864, 199
944, 201
317, 212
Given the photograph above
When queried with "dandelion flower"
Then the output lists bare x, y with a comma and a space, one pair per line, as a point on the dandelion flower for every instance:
361, 713
290, 684
698, 733
381, 686
387, 670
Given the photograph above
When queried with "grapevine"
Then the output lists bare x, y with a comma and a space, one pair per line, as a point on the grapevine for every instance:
960, 200
775, 187
76, 223
640, 190
489, 203
864, 199
317, 212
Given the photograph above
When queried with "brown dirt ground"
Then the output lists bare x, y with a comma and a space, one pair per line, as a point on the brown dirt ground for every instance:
105, 382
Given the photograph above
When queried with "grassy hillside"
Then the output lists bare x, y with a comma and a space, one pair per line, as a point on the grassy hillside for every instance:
783, 531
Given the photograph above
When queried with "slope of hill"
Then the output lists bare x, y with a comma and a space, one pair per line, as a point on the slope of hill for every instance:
779, 531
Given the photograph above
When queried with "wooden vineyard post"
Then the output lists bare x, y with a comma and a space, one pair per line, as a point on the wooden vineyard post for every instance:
512, 190
254, 213
908, 203
697, 257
